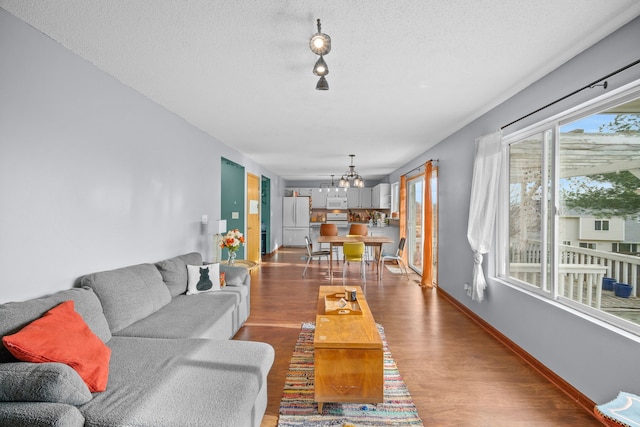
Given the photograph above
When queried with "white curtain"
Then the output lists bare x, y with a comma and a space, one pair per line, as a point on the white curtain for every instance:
483, 206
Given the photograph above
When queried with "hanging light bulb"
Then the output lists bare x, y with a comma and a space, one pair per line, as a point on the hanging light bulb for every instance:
320, 69
320, 44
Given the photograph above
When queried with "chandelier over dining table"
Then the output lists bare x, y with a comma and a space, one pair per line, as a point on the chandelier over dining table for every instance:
351, 178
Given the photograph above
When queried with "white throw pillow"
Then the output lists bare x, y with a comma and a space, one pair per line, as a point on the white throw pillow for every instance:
203, 278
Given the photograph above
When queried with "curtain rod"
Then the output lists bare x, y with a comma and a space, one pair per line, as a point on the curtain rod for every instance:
589, 86
420, 166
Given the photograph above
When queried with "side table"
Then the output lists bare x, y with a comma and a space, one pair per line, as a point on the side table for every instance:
249, 265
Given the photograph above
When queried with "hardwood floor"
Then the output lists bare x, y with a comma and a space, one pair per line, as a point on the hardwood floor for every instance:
457, 374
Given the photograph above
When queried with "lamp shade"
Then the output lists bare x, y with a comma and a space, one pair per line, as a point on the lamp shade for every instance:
322, 84
320, 69
220, 226
320, 43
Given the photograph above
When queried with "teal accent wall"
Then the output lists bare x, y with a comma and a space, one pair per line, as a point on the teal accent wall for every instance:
232, 198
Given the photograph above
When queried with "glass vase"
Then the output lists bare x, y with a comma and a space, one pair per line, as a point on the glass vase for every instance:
232, 257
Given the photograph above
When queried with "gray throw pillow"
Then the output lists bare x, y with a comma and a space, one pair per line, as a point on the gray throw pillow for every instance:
128, 294
174, 271
42, 382
174, 275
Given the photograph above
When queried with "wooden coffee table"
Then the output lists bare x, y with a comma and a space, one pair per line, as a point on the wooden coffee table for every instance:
348, 363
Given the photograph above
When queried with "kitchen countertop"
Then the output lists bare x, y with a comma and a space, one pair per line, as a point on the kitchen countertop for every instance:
391, 224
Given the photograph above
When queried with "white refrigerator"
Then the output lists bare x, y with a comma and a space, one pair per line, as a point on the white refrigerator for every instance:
295, 220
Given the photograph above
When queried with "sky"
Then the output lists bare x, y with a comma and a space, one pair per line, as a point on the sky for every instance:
590, 124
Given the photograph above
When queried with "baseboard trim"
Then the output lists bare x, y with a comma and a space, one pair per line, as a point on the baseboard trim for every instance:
573, 393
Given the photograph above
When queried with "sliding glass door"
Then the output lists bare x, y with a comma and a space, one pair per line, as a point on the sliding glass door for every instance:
415, 193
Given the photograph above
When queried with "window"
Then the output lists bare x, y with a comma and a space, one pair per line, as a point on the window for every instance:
587, 245
576, 167
625, 248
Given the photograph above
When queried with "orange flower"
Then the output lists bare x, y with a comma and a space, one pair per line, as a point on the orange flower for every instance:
232, 240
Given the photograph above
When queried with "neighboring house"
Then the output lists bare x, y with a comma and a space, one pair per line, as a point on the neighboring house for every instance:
603, 234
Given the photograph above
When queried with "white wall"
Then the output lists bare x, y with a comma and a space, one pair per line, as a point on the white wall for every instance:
586, 353
93, 175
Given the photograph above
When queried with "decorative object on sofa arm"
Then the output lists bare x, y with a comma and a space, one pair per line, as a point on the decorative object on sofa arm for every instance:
232, 241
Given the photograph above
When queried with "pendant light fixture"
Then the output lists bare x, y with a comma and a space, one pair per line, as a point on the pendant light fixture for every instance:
330, 187
320, 44
351, 178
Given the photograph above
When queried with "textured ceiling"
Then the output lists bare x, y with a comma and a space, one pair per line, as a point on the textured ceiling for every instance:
403, 74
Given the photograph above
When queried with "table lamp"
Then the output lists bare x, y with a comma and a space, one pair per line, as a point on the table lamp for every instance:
219, 227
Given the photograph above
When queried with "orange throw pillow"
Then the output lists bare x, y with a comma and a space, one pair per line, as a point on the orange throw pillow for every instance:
61, 335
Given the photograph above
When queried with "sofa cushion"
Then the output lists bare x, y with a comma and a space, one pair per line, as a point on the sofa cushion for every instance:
174, 271
235, 276
16, 315
206, 315
42, 382
156, 382
129, 294
61, 335
203, 278
40, 414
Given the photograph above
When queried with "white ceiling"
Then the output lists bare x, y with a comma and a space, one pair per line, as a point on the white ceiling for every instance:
403, 74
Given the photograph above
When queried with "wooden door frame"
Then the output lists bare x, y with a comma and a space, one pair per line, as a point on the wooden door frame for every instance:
253, 218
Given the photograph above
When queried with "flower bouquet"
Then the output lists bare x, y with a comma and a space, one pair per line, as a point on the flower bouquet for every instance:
232, 241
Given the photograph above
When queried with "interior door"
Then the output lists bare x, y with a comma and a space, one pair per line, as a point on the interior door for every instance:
232, 189
253, 218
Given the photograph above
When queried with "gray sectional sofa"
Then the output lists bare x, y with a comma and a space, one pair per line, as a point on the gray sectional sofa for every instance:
172, 361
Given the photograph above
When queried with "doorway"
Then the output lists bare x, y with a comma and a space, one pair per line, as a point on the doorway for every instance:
253, 218
265, 216
232, 199
415, 194
416, 214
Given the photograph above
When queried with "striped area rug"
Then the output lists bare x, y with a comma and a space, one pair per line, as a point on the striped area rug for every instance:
297, 407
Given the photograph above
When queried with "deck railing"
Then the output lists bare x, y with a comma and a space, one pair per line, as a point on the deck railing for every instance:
622, 268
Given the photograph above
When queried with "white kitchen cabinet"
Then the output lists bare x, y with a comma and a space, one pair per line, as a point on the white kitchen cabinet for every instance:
339, 193
319, 198
381, 196
302, 191
359, 198
365, 198
353, 198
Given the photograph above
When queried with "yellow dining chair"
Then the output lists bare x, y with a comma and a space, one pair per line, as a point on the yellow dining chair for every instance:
361, 230
353, 252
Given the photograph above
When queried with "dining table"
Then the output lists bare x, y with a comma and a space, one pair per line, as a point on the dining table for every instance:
374, 241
